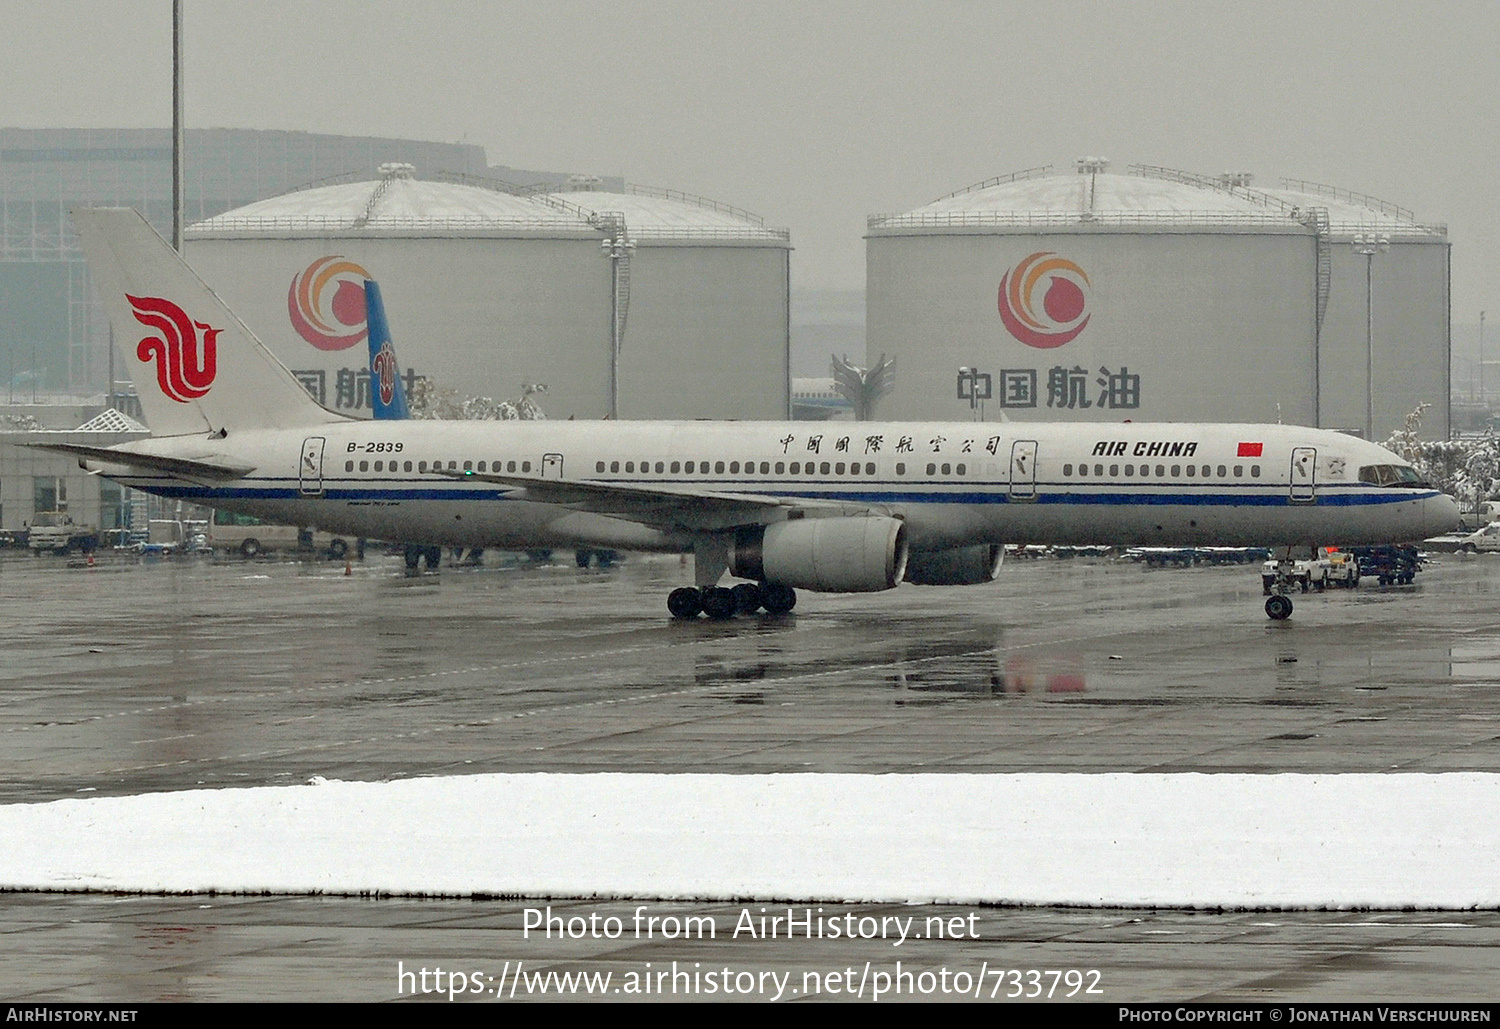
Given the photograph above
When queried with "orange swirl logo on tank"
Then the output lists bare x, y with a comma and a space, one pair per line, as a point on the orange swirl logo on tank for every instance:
327, 303
1044, 300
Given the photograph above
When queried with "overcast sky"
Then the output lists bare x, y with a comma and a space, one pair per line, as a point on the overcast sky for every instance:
819, 112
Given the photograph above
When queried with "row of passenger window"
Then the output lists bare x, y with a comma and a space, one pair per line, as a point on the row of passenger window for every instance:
766, 468
453, 466
1177, 471
678, 467
734, 468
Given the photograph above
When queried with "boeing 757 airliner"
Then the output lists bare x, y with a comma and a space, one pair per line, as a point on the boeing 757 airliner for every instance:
834, 507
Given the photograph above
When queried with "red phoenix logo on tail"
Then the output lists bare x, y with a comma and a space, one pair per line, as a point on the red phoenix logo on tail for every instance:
1049, 318
185, 362
385, 372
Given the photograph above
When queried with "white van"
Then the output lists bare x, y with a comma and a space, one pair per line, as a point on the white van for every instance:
1488, 512
250, 536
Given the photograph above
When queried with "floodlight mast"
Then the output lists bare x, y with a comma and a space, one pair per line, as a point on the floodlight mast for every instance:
1369, 245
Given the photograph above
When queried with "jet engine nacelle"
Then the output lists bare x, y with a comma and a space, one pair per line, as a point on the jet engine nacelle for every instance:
830, 555
959, 566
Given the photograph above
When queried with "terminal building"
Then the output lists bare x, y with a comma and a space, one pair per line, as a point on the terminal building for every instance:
1161, 295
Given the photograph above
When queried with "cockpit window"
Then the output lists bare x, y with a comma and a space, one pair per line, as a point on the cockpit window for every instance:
1390, 475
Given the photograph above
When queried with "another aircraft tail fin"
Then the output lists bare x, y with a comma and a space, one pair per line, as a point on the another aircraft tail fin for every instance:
387, 394
196, 367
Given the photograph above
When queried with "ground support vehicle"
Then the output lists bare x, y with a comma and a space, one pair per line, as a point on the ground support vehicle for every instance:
1340, 569
1486, 540
55, 531
1389, 565
1288, 575
1487, 513
1232, 555
1182, 557
250, 537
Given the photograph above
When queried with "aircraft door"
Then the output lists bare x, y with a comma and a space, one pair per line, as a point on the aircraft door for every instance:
1023, 469
310, 470
552, 466
1304, 475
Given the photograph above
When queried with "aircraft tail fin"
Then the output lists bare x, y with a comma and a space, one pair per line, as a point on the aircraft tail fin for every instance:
387, 394
196, 366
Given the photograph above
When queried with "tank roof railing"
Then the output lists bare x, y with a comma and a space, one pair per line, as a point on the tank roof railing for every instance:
482, 223
1217, 184
1000, 180
1344, 227
329, 180
1125, 219
692, 198
658, 193
326, 223
536, 193
704, 233
1350, 197
980, 219
480, 181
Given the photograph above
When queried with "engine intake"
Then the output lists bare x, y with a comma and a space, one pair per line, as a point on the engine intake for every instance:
830, 555
959, 566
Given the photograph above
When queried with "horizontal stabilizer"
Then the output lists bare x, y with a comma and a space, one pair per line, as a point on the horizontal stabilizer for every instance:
180, 466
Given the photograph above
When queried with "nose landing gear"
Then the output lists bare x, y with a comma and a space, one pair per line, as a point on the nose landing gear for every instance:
1278, 606
1278, 584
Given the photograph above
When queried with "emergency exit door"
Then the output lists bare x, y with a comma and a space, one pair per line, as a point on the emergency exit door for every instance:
310, 471
1023, 469
1304, 475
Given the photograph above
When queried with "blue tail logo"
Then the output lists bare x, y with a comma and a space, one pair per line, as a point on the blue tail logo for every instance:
388, 398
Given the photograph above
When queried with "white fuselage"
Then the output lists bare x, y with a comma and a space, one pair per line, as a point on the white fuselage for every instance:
954, 484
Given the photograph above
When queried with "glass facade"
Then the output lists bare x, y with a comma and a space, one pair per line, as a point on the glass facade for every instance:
53, 338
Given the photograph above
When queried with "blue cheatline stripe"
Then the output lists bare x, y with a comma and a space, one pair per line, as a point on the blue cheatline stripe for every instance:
1327, 496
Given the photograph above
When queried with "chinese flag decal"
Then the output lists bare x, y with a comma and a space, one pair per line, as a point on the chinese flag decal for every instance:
1250, 450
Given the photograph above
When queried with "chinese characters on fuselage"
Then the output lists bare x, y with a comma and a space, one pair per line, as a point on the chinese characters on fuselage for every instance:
822, 443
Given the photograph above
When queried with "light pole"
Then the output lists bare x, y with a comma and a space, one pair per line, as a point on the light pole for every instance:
1370, 245
178, 190
618, 250
1482, 402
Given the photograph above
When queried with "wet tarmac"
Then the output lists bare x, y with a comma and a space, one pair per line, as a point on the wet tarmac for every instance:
133, 677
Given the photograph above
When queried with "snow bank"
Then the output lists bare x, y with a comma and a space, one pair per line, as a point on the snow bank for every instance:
1277, 841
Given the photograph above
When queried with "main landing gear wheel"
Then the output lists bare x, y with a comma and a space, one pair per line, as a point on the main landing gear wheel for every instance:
777, 599
747, 599
719, 602
685, 602
743, 598
1278, 607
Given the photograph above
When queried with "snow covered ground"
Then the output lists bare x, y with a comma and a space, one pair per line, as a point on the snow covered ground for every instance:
1335, 841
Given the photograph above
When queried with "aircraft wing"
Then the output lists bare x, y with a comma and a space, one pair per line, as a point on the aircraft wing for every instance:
184, 467
662, 506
